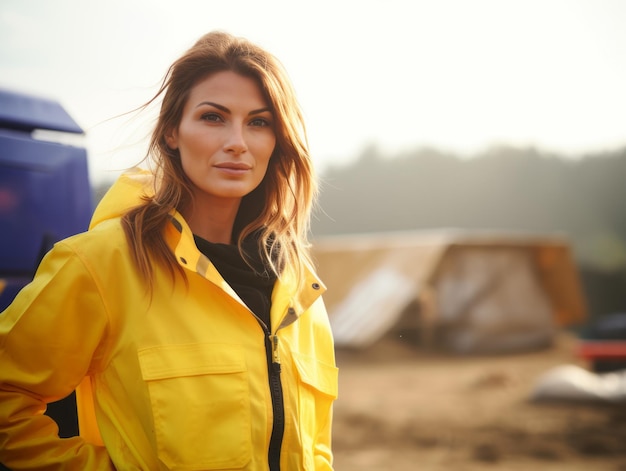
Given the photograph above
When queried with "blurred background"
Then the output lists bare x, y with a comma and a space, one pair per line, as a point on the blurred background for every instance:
504, 116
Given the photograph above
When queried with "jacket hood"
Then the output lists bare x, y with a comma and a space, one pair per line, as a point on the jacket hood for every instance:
127, 192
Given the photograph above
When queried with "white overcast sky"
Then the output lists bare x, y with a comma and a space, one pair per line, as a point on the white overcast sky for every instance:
459, 75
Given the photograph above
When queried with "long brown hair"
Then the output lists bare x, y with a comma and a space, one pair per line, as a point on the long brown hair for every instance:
278, 210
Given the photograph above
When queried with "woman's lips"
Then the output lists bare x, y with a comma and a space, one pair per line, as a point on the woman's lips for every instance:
233, 167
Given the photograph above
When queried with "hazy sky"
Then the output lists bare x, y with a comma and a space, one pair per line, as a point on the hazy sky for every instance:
459, 75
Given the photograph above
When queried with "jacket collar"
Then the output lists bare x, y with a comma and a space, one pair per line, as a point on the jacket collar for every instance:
288, 303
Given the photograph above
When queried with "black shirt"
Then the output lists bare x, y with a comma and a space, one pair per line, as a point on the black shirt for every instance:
254, 286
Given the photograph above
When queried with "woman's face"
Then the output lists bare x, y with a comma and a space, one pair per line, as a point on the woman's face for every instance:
225, 137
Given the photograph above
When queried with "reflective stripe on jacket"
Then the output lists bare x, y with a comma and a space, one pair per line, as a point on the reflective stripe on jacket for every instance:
174, 380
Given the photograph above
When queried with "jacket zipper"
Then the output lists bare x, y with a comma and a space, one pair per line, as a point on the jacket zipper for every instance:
276, 395
278, 407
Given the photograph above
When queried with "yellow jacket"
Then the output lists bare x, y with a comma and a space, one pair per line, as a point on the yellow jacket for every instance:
177, 381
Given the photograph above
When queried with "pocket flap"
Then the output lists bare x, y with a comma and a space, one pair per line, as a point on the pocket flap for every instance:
321, 376
171, 361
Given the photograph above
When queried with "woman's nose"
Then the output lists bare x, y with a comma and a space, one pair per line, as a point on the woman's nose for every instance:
235, 141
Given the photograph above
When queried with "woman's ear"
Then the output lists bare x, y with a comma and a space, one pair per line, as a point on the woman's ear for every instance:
171, 138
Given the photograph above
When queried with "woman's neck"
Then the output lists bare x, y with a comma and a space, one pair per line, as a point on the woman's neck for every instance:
213, 222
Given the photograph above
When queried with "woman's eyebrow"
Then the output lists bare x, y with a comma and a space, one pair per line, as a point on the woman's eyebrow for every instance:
260, 110
226, 110
210, 103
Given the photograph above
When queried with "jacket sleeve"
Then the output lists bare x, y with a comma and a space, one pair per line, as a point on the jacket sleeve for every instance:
50, 337
323, 442
323, 450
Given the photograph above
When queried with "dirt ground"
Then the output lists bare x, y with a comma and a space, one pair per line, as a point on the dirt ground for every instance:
403, 408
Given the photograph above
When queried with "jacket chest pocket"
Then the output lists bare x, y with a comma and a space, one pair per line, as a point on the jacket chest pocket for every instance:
199, 395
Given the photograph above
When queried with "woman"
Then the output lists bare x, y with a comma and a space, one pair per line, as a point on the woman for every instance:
187, 318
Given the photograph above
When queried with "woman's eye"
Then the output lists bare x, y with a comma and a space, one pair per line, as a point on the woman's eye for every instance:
260, 122
213, 117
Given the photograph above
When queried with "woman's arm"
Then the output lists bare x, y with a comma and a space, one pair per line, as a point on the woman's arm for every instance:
50, 337
327, 389
323, 446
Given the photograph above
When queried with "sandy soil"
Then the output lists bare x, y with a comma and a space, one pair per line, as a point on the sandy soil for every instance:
403, 408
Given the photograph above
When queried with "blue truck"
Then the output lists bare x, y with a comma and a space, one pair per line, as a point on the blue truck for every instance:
45, 196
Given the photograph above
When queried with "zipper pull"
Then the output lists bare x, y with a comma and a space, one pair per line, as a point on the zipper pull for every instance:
275, 353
